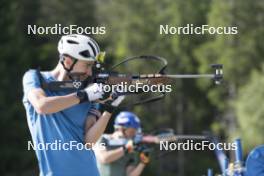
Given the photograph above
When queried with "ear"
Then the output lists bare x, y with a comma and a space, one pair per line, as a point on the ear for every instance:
67, 61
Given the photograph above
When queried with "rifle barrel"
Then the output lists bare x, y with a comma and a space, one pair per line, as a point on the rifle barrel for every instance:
191, 76
187, 137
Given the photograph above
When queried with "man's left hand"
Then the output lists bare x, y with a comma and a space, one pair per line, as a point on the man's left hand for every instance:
144, 157
111, 104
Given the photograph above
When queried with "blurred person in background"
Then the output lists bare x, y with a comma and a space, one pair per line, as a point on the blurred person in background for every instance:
124, 160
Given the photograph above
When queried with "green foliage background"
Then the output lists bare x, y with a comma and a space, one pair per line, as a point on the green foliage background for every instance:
234, 109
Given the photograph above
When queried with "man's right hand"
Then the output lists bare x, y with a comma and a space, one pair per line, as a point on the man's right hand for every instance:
129, 147
94, 92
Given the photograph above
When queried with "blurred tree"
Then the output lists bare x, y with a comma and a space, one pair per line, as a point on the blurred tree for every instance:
16, 54
239, 53
250, 111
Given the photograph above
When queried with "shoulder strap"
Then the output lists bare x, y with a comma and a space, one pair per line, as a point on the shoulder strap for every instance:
41, 79
59, 85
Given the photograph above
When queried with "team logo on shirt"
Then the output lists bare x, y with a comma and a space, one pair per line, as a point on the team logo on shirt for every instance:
77, 84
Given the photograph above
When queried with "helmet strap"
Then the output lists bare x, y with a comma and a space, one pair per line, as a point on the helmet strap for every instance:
68, 70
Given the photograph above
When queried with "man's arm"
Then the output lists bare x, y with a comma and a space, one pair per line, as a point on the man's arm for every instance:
48, 105
94, 129
108, 156
135, 171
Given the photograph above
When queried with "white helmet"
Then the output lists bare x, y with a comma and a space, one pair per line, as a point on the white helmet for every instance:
79, 47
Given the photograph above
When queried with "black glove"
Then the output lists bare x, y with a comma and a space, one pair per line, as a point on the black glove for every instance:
111, 104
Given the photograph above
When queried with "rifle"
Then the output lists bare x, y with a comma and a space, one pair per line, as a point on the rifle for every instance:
148, 139
111, 77
158, 78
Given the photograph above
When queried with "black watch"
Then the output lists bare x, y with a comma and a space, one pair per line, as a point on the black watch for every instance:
82, 96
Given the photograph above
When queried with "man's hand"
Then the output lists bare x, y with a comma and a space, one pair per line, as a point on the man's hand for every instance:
144, 152
116, 102
144, 157
129, 147
94, 92
110, 104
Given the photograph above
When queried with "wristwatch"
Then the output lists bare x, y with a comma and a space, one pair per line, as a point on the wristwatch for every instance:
82, 96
